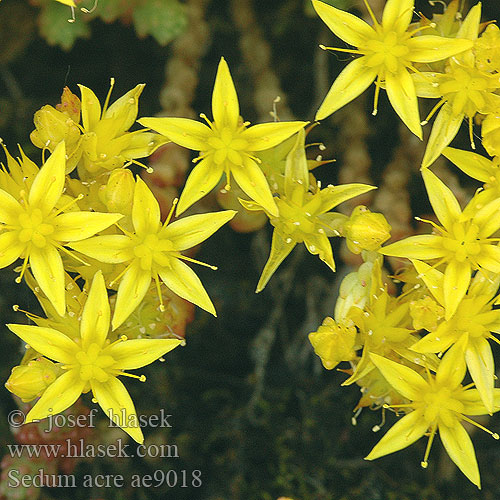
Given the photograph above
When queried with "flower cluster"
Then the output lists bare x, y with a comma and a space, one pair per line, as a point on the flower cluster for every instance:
410, 351
77, 238
104, 263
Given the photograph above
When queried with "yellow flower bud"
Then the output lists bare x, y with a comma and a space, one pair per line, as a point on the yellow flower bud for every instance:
365, 230
333, 343
29, 381
426, 313
118, 194
52, 127
70, 105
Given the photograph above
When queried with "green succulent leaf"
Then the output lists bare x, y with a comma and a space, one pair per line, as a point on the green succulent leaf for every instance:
56, 29
164, 20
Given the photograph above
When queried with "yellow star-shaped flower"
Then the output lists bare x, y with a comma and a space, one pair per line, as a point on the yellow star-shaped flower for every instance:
439, 403
462, 242
476, 316
226, 145
36, 228
153, 251
303, 216
92, 363
388, 51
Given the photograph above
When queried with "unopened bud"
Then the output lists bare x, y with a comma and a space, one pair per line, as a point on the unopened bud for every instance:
30, 380
333, 342
365, 230
119, 191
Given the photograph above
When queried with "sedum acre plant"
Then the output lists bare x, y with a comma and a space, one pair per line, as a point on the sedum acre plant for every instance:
102, 260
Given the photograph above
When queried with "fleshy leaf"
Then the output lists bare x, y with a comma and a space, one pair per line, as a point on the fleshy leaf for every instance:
164, 20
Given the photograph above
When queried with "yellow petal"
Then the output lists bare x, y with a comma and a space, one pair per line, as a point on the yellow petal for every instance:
402, 378
319, 244
431, 48
47, 267
123, 111
457, 277
279, 251
489, 258
112, 249
268, 135
132, 289
398, 14
363, 368
403, 97
427, 84
469, 28
136, 353
350, 28
225, 107
251, 206
10, 248
117, 404
69, 3
91, 109
403, 433
481, 366
202, 179
354, 79
487, 218
182, 280
47, 341
141, 144
9, 208
460, 449
145, 210
443, 131
94, 324
49, 182
297, 171
331, 196
423, 246
473, 404
432, 278
75, 226
443, 201
59, 396
190, 231
252, 181
452, 368
436, 341
474, 165
183, 131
